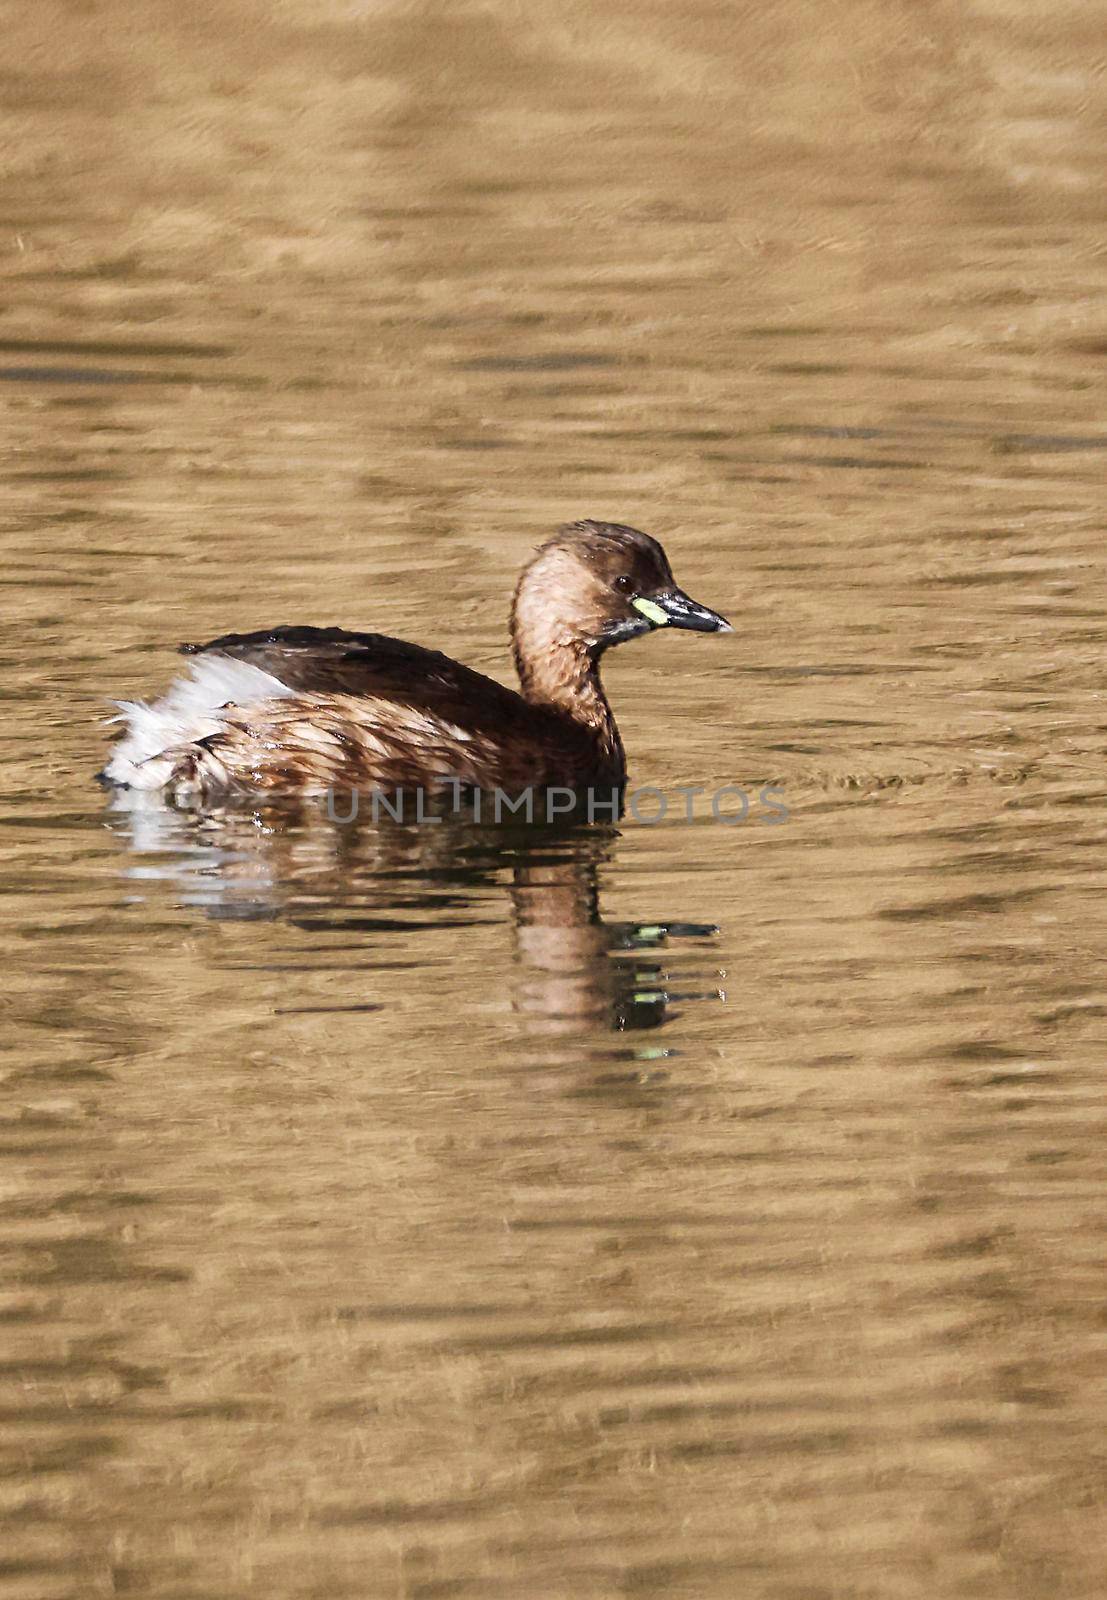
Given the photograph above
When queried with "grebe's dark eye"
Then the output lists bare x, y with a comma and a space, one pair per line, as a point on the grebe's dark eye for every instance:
623, 584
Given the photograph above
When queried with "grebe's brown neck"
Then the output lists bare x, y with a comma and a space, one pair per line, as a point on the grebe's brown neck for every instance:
565, 674
558, 663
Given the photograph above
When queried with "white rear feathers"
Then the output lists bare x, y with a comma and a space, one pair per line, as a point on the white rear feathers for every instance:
158, 735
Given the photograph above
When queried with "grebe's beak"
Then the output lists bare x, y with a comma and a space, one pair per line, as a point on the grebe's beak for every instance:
672, 608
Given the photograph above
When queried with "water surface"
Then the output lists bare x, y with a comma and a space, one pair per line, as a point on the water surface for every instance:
666, 1210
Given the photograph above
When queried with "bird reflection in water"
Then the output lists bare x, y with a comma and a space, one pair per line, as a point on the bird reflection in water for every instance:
574, 969
574, 966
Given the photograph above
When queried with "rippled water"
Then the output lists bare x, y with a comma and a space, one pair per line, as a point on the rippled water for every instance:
675, 1210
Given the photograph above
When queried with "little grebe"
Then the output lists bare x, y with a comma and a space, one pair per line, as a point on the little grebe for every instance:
308, 709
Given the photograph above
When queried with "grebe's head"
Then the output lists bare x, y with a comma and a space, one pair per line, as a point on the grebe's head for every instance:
596, 584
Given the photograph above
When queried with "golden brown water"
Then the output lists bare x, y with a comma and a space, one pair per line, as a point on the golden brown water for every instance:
434, 1213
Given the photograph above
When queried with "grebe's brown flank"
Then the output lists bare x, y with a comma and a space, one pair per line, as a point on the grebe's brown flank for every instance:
306, 709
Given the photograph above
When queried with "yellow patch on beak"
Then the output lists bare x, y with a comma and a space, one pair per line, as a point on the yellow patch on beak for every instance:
652, 613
